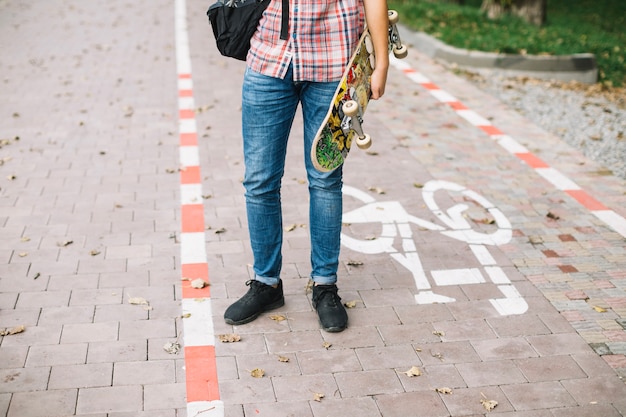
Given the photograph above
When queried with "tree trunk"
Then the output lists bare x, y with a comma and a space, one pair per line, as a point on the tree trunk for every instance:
532, 11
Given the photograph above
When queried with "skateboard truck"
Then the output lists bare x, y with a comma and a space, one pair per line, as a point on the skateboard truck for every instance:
352, 121
395, 44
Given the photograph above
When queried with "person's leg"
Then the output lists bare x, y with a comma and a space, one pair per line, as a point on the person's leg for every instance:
268, 109
325, 210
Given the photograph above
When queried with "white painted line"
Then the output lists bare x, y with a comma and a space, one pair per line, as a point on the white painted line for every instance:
557, 179
482, 254
198, 322
189, 156
458, 276
190, 194
192, 248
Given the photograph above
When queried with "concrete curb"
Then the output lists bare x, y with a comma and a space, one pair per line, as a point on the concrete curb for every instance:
578, 67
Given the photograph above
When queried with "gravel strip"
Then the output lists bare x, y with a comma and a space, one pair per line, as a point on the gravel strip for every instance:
586, 117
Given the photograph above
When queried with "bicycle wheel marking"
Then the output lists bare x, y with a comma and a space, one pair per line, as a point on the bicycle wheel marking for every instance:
553, 176
203, 396
396, 222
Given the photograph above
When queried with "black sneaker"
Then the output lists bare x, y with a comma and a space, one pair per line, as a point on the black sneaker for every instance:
331, 312
259, 298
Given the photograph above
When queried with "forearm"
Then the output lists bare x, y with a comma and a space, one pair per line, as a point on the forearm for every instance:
378, 24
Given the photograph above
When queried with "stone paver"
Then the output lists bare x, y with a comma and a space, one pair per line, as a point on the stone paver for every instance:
89, 219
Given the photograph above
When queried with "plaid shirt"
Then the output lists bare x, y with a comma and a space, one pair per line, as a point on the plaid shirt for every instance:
322, 37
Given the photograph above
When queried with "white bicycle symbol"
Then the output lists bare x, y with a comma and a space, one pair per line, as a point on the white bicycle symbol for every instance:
397, 222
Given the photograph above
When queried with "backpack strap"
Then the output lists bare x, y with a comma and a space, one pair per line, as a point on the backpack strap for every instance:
284, 22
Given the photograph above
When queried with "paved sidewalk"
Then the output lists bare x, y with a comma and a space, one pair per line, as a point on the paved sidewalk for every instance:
460, 258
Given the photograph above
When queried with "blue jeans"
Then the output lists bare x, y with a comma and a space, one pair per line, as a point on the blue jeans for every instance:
268, 109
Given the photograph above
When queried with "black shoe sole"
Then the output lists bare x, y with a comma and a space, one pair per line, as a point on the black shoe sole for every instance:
334, 329
272, 306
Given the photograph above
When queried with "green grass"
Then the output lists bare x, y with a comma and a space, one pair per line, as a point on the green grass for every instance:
595, 26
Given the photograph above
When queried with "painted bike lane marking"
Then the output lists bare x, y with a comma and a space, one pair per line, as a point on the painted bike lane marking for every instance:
553, 176
396, 223
203, 397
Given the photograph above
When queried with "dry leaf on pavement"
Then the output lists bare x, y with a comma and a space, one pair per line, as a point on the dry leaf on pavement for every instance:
278, 317
229, 338
139, 301
13, 330
199, 283
257, 373
488, 404
283, 359
172, 347
317, 396
414, 371
444, 390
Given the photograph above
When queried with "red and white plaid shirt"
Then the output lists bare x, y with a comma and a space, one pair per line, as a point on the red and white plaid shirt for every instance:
322, 37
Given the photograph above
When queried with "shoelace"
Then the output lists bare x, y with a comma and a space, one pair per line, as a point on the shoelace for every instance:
334, 297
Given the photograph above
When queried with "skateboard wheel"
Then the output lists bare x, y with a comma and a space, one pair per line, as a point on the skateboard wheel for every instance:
350, 108
400, 52
393, 17
365, 142
369, 46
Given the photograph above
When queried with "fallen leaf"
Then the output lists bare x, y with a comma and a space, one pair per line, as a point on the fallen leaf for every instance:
327, 345
437, 355
552, 216
283, 359
186, 315
350, 304
25, 239
377, 190
355, 263
199, 283
489, 404
65, 243
229, 338
414, 371
94, 252
444, 390
13, 330
220, 231
317, 396
22, 254
291, 228
418, 185
438, 333
257, 373
172, 347
278, 317
138, 301
599, 309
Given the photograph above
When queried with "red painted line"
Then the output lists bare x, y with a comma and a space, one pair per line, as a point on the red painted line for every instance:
201, 371
409, 70
186, 114
185, 93
429, 86
490, 130
457, 105
532, 160
188, 139
184, 76
586, 200
190, 175
192, 218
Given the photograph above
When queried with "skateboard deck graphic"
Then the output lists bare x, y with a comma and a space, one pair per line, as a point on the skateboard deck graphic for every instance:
342, 124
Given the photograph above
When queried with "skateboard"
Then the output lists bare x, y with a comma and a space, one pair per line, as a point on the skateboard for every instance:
344, 120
